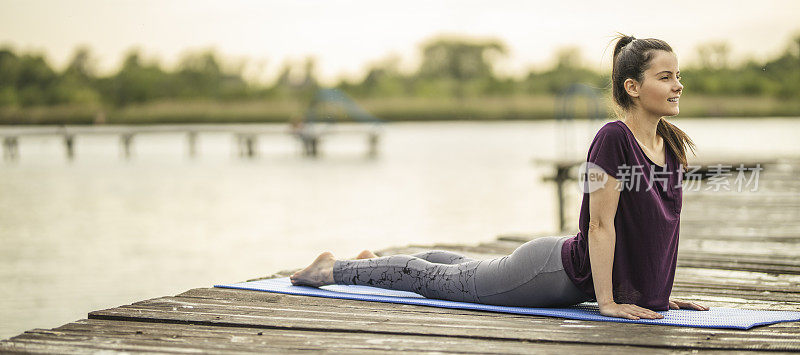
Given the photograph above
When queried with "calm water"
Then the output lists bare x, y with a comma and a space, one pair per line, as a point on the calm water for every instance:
101, 232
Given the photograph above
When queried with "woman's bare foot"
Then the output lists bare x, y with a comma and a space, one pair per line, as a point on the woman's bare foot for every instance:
366, 254
319, 273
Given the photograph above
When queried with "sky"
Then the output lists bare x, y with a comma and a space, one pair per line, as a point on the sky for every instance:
346, 36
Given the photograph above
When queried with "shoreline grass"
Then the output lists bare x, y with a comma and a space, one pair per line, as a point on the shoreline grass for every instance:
390, 109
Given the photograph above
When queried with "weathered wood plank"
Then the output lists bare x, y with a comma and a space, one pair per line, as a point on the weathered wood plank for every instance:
745, 248
140, 336
767, 264
325, 314
734, 278
744, 295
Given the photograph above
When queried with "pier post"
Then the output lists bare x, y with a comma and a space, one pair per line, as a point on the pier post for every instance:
561, 176
372, 141
191, 139
314, 146
69, 146
247, 144
10, 148
310, 144
126, 140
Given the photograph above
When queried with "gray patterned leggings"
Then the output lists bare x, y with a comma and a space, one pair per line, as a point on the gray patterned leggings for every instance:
532, 276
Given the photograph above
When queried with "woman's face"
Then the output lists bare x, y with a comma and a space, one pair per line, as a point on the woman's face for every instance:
661, 85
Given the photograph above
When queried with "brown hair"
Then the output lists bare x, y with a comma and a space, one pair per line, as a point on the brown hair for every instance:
631, 58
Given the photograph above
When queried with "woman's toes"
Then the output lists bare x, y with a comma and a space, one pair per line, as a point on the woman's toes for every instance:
366, 254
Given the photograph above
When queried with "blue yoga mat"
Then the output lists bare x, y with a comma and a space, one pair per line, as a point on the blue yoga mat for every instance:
716, 317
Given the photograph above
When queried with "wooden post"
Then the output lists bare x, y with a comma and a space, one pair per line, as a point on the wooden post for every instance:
310, 144
10, 148
69, 145
247, 144
251, 145
191, 139
126, 140
372, 141
561, 176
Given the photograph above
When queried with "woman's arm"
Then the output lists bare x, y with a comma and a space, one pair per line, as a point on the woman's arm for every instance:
602, 239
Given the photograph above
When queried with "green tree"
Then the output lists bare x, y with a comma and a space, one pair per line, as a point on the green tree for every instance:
568, 70
35, 77
459, 60
9, 72
137, 82
77, 84
297, 80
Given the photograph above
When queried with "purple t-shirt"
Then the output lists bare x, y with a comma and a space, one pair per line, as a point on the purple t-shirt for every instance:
646, 223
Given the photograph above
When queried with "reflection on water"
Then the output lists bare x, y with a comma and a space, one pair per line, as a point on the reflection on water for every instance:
100, 231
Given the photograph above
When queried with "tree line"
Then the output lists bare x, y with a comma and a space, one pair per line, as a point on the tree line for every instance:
450, 67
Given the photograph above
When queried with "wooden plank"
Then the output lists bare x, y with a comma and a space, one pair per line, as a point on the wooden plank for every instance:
772, 231
748, 248
139, 336
734, 278
761, 288
739, 224
738, 216
326, 314
711, 235
767, 264
745, 295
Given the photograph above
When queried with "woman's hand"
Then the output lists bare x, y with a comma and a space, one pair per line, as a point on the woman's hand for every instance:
630, 311
678, 304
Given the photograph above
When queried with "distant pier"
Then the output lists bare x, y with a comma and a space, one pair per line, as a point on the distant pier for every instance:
245, 137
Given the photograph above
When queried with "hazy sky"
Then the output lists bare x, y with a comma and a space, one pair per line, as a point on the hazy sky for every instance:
344, 36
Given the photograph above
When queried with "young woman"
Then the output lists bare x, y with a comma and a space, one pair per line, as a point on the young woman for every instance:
625, 252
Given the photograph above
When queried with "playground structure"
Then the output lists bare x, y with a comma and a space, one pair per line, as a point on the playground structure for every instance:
328, 107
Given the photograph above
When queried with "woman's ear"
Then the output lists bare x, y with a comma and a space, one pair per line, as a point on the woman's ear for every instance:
632, 87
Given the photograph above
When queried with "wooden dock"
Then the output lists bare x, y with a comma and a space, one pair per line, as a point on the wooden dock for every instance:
246, 136
737, 249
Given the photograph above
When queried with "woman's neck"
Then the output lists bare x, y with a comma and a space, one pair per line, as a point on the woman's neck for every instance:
643, 127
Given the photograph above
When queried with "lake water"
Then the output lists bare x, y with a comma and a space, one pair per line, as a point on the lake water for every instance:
100, 231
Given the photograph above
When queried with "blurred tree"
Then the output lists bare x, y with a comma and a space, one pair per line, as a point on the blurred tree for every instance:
568, 70
138, 82
77, 84
34, 79
300, 83
785, 70
460, 60
9, 71
82, 66
199, 75
714, 56
568, 58
384, 79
